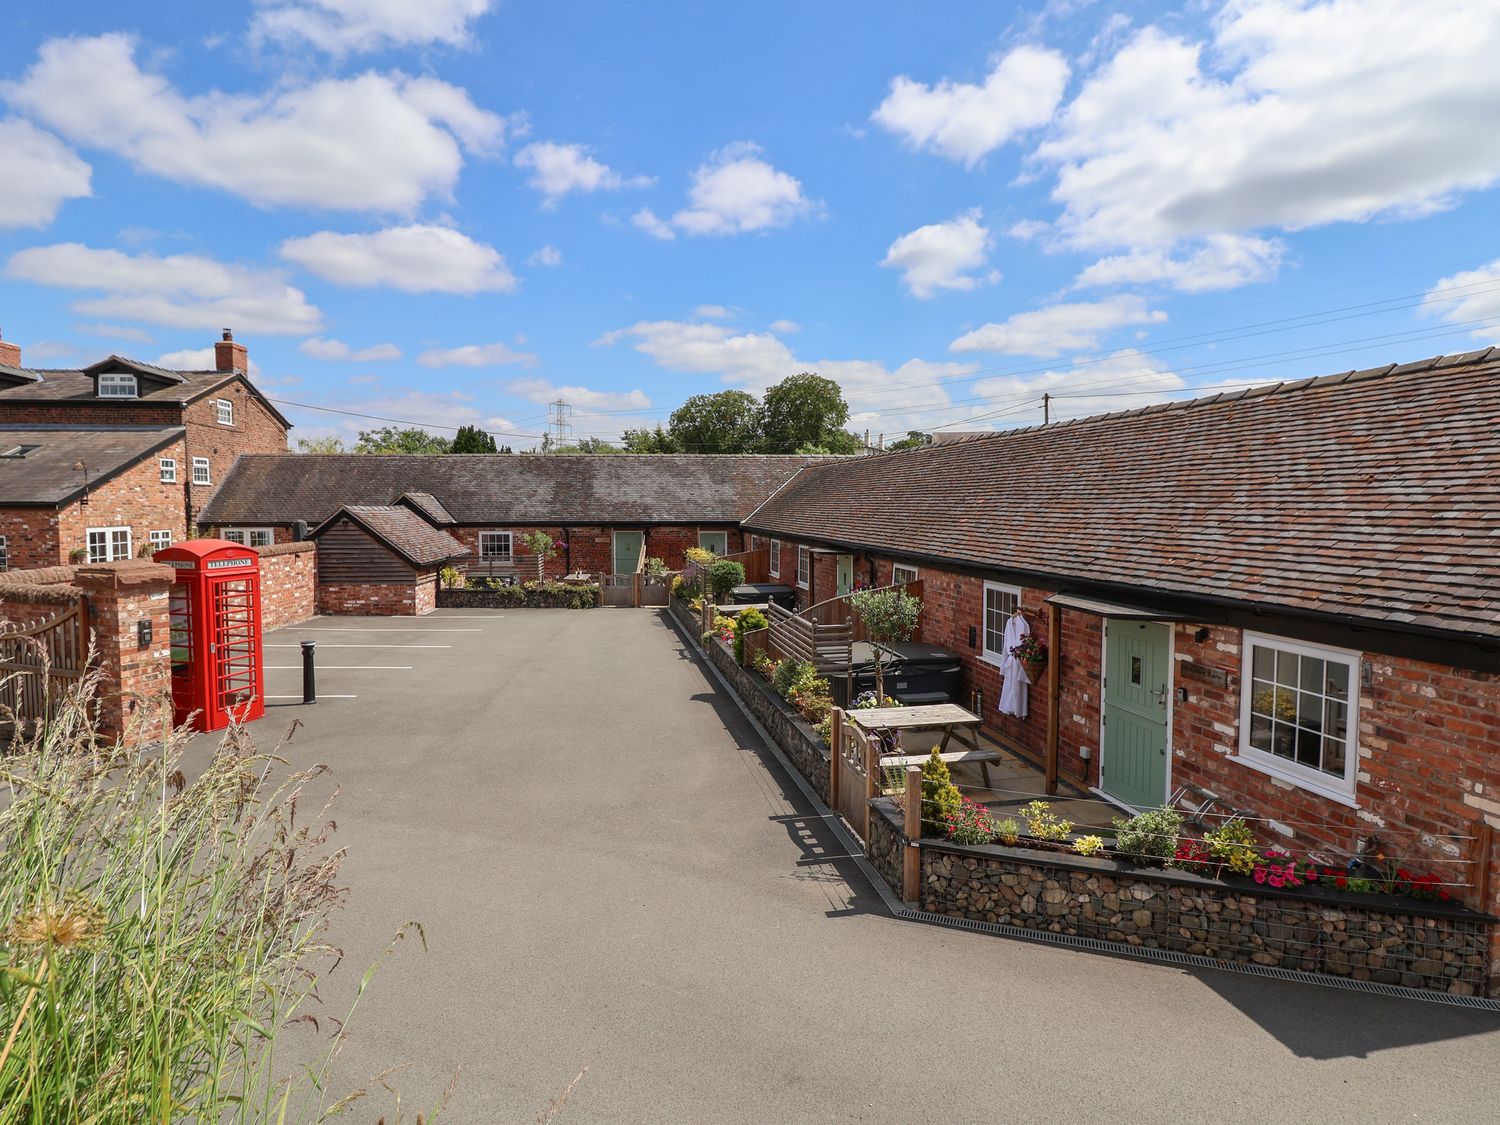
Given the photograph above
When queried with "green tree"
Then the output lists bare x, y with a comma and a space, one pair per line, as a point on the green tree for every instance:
841, 442
471, 439
888, 616
396, 439
586, 445
542, 547
726, 422
648, 441
914, 439
328, 444
805, 411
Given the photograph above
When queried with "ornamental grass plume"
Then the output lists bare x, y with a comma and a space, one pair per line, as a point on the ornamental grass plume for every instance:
159, 931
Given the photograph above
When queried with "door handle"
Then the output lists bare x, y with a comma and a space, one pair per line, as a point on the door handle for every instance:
1161, 696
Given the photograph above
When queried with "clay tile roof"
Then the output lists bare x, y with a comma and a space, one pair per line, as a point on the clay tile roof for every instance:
1371, 495
506, 489
402, 530
428, 505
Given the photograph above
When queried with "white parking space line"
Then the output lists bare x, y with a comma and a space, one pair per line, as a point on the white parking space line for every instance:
365, 646
320, 696
359, 629
342, 667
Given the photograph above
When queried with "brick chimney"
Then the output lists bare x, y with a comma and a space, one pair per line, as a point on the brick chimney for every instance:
10, 354
229, 356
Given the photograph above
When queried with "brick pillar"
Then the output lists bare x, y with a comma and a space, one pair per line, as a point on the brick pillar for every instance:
120, 596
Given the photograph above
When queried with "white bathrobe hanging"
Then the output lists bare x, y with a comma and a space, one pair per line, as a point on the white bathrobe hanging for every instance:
1014, 680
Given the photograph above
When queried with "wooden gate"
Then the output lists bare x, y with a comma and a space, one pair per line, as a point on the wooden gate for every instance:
656, 589
852, 775
620, 589
39, 663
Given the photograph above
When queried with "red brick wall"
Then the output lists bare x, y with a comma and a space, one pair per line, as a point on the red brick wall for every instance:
288, 584
31, 537
137, 680
385, 600
591, 549
255, 430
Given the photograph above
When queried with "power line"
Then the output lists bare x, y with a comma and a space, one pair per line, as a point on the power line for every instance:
383, 418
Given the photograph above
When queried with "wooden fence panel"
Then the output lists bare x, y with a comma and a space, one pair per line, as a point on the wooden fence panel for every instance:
39, 663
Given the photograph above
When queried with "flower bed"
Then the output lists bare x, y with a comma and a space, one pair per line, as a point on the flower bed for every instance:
549, 595
1386, 939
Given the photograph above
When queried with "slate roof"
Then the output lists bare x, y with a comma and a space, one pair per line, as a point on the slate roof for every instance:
402, 530
46, 477
1369, 495
427, 505
480, 489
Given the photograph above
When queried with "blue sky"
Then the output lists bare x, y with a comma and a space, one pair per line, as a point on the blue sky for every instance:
454, 211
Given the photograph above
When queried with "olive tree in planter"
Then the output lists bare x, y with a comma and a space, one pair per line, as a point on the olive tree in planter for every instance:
542, 548
889, 615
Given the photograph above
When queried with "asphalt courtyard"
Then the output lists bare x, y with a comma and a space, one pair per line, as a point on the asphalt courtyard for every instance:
613, 872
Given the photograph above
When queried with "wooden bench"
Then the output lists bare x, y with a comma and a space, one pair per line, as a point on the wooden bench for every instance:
951, 757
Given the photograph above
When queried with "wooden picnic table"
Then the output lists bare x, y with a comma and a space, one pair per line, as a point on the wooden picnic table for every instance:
946, 717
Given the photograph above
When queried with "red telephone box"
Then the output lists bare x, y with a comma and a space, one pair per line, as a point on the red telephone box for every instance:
217, 665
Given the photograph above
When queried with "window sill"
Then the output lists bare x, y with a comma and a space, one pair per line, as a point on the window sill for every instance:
1327, 792
989, 658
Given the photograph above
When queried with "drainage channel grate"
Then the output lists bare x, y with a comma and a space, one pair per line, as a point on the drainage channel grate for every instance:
1066, 941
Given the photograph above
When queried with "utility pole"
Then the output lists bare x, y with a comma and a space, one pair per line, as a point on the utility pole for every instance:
1046, 408
558, 426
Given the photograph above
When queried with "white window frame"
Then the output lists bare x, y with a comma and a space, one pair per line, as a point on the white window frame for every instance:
775, 558
118, 384
1342, 791
110, 552
224, 411
804, 567
716, 535
168, 468
246, 536
160, 539
987, 654
4, 553
896, 571
506, 555
202, 463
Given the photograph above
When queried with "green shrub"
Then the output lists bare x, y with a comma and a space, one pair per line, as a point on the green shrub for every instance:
724, 575
1008, 832
972, 823
1151, 835
1042, 824
940, 797
792, 675
654, 567
824, 729
451, 578
530, 595
1233, 845
747, 622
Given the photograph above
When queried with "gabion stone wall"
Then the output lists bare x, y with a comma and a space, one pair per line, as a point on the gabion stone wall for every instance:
1445, 950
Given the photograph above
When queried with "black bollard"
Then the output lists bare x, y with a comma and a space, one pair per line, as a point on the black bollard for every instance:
309, 674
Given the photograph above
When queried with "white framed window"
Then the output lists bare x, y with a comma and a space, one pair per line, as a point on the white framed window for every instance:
4, 553
776, 557
756, 542
715, 541
495, 545
1000, 601
249, 536
160, 539
108, 544
225, 412
902, 574
117, 385
804, 566
1299, 714
201, 474
168, 470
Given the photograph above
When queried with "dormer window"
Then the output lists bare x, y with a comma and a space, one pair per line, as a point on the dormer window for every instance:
115, 384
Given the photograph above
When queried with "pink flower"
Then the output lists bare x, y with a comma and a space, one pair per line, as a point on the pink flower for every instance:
1260, 874
1274, 880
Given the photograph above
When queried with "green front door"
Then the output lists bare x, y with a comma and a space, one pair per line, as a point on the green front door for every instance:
1137, 678
628, 546
845, 577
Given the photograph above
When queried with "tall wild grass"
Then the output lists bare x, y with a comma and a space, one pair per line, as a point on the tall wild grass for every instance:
160, 930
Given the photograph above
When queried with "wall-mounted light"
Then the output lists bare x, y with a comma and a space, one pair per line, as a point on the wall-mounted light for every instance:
1201, 635
81, 467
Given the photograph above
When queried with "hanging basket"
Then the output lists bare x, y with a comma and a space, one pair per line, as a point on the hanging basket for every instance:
1034, 668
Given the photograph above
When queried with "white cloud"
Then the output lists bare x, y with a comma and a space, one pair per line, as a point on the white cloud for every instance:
646, 219
557, 169
733, 192
1223, 261
336, 351
116, 332
1122, 381
1298, 113
474, 355
546, 256
784, 327
197, 359
341, 27
1473, 295
181, 290
1059, 328
942, 255
416, 259
714, 312
966, 122
582, 399
41, 173
443, 412
372, 142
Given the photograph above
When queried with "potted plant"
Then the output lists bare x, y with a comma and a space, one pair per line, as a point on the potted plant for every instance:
78, 555
1032, 653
